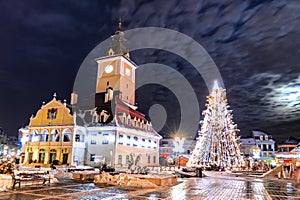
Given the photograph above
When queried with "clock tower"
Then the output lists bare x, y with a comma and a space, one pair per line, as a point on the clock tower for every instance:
116, 72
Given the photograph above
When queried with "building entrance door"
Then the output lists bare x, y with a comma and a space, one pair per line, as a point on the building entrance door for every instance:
65, 158
41, 156
30, 157
52, 156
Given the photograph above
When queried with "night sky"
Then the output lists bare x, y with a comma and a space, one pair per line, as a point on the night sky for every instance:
254, 43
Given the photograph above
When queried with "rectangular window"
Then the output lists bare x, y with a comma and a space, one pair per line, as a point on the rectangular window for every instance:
128, 140
154, 159
93, 142
119, 159
52, 113
92, 157
121, 139
149, 159
135, 142
143, 144
105, 134
105, 142
127, 159
93, 134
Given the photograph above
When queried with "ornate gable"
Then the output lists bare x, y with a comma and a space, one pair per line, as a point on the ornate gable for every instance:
52, 113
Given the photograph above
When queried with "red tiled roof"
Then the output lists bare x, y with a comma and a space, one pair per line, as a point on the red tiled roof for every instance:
122, 107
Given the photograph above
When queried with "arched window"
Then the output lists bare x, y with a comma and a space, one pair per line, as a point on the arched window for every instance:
52, 155
66, 135
34, 136
54, 136
79, 137
41, 156
25, 138
44, 136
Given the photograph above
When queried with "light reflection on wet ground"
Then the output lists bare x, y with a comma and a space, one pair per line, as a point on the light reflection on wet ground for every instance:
213, 187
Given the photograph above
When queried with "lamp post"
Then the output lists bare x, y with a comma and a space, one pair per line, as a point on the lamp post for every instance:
178, 147
256, 153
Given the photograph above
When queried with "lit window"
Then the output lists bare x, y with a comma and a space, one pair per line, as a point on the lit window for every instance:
52, 113
92, 158
143, 144
105, 142
121, 139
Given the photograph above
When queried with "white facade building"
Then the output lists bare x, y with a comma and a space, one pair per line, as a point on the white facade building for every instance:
260, 146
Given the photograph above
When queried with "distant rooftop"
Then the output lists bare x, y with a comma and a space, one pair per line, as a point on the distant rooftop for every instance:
247, 141
259, 133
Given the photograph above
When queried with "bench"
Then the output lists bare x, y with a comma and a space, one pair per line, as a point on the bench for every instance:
27, 176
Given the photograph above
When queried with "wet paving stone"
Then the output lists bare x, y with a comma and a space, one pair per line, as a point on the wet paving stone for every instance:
85, 187
54, 191
213, 187
19, 196
95, 196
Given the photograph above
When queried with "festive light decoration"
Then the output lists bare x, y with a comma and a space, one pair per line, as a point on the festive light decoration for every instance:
217, 144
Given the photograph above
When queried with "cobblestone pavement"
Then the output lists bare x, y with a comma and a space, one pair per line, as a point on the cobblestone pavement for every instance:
212, 187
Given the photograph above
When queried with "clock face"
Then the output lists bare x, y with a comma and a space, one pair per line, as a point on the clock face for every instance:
109, 69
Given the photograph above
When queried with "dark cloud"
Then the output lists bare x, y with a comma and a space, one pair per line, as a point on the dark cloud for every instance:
254, 44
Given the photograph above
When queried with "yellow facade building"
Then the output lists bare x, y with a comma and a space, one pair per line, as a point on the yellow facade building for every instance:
50, 135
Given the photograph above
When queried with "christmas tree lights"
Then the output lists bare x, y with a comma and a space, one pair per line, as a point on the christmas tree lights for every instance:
217, 142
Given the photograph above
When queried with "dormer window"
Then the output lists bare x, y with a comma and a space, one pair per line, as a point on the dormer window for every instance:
52, 113
266, 137
261, 137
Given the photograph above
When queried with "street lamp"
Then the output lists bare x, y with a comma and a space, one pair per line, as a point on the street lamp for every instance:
256, 153
178, 147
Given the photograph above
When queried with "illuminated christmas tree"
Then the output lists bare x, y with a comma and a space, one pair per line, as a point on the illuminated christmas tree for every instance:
217, 144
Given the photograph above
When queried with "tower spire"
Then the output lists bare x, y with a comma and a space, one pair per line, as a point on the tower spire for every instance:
120, 24
118, 43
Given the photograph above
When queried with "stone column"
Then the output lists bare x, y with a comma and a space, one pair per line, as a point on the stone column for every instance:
47, 154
